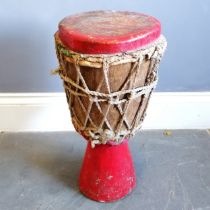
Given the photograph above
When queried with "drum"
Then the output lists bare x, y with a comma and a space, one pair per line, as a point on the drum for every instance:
108, 64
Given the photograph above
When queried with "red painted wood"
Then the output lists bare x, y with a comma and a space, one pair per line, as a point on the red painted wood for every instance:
102, 32
107, 173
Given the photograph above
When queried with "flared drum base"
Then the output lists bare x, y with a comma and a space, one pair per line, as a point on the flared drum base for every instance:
107, 172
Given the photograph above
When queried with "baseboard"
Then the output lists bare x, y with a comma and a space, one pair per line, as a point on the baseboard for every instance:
49, 111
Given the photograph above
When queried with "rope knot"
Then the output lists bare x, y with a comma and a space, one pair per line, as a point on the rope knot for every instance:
93, 98
113, 100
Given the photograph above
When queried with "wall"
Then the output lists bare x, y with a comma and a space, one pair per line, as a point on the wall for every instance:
27, 48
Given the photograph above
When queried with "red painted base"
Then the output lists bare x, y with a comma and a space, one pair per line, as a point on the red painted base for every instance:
107, 173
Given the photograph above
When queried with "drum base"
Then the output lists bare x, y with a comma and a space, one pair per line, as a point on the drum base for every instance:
107, 172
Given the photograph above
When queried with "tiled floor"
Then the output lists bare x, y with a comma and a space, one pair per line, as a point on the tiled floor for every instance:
40, 171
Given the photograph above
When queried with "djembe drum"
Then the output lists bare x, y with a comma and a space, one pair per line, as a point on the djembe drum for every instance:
108, 64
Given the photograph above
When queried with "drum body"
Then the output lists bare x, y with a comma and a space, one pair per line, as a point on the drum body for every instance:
108, 94
108, 62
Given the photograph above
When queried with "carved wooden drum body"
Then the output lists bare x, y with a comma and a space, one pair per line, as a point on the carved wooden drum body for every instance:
108, 64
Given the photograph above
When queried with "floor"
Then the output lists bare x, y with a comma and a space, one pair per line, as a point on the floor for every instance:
40, 171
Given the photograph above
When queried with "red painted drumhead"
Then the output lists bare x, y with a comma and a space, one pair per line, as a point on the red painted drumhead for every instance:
104, 32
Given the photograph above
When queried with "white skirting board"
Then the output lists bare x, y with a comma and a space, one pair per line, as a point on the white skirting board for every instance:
49, 111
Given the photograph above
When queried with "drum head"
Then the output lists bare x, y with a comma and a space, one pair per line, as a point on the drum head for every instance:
107, 32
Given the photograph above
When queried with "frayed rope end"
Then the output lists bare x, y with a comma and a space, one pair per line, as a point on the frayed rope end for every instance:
55, 71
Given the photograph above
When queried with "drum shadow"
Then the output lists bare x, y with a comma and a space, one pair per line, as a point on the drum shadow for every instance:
58, 156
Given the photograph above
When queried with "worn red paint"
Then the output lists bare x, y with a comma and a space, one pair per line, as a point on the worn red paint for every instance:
105, 32
107, 172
